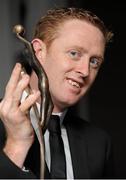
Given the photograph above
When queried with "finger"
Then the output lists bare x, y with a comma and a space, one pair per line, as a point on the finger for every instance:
21, 86
31, 99
12, 83
4, 108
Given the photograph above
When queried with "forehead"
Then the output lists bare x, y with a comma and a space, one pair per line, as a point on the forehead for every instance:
79, 27
81, 33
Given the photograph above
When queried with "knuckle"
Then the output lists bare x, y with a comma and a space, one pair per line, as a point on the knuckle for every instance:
23, 83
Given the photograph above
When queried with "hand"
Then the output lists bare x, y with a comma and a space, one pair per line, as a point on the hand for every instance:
15, 116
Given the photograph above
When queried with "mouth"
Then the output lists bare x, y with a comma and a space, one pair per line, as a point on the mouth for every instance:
74, 83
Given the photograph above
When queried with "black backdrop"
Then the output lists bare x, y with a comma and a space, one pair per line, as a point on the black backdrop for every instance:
107, 97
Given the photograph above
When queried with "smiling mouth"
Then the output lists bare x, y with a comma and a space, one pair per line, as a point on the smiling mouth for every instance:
74, 83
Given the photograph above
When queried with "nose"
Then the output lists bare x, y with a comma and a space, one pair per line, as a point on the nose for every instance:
83, 67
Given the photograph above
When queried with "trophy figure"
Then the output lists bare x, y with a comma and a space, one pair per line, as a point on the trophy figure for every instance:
46, 104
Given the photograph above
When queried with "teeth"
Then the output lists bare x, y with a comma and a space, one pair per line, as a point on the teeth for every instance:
73, 83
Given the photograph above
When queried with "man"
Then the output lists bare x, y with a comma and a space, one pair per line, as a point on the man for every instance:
70, 45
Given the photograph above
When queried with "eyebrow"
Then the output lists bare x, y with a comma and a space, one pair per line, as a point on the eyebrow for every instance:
77, 47
101, 58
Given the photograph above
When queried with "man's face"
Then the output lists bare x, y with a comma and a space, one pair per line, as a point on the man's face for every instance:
72, 62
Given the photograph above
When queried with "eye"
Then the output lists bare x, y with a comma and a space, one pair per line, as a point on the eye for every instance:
95, 63
74, 54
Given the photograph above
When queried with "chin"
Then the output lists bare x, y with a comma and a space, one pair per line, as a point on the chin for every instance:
65, 100
70, 102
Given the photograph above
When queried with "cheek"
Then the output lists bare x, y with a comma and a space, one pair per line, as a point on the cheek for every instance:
56, 70
48, 66
93, 76
53, 74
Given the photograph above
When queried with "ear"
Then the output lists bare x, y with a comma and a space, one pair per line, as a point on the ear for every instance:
40, 49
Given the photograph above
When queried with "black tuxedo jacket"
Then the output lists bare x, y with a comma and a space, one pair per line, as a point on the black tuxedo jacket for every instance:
90, 149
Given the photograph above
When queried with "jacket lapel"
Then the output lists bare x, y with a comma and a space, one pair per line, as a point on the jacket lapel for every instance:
78, 147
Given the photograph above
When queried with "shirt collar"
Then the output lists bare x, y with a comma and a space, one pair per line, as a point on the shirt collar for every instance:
61, 115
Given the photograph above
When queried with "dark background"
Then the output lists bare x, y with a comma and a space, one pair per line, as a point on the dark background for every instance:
107, 106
